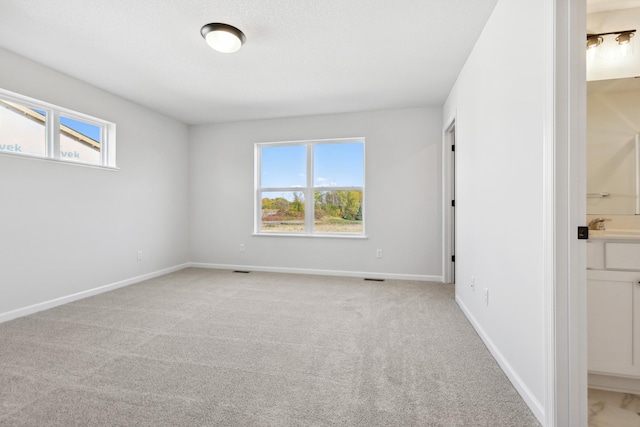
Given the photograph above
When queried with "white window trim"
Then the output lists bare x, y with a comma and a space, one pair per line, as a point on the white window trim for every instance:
52, 132
308, 190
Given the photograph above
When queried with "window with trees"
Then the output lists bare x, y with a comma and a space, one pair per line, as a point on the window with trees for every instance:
310, 187
35, 128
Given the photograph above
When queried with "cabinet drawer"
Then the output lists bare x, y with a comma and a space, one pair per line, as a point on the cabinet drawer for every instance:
622, 256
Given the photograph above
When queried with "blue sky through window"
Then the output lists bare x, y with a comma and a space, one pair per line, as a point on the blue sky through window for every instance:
335, 165
92, 131
338, 165
284, 166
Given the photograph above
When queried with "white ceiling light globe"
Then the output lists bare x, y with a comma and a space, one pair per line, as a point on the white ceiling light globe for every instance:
223, 41
222, 37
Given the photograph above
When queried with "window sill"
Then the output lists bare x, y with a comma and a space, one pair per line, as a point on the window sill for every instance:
50, 159
314, 236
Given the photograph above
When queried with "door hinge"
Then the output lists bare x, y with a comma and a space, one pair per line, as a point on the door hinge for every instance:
453, 258
453, 203
453, 148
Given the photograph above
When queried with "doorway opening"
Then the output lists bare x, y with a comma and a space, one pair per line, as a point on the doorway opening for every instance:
449, 204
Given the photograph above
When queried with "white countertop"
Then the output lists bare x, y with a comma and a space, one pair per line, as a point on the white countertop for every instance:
614, 234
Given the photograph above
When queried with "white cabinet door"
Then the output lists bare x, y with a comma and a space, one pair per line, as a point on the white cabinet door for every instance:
595, 254
612, 324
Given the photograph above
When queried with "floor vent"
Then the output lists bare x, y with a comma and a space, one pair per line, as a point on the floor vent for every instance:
240, 271
374, 280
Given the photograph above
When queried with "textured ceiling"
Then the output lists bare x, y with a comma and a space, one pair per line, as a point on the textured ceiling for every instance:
302, 57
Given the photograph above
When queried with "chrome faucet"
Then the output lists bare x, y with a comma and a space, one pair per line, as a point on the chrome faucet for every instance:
597, 223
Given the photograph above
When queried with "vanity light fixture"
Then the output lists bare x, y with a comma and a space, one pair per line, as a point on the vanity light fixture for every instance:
625, 37
223, 37
595, 40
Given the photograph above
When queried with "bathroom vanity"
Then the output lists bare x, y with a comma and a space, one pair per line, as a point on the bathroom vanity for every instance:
613, 309
613, 255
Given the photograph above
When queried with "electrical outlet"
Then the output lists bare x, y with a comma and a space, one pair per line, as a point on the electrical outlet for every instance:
379, 253
486, 296
473, 283
139, 255
241, 248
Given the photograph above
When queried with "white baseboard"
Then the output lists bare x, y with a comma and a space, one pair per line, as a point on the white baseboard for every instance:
613, 383
14, 314
390, 276
25, 311
521, 387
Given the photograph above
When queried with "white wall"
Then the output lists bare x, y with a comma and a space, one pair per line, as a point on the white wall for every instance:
499, 105
66, 229
403, 193
608, 63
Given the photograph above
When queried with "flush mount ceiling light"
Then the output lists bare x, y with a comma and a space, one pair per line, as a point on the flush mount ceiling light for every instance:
222, 37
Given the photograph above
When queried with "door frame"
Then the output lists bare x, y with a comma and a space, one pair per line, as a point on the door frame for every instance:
564, 209
448, 190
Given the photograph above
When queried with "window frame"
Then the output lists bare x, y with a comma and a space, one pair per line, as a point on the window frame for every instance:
52, 132
308, 191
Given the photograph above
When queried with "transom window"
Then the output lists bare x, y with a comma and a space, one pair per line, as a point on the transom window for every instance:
35, 128
310, 187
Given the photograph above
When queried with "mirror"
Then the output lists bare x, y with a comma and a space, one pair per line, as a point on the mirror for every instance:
613, 147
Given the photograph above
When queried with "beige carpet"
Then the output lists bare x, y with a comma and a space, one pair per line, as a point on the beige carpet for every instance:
209, 347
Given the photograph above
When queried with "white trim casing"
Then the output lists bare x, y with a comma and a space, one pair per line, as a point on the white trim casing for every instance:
448, 181
318, 272
315, 236
309, 189
564, 208
548, 223
53, 124
614, 383
309, 214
